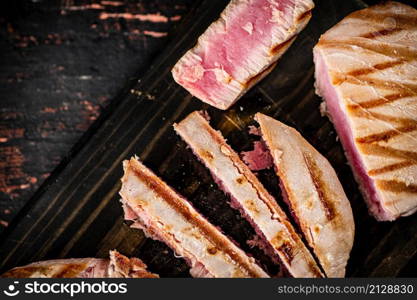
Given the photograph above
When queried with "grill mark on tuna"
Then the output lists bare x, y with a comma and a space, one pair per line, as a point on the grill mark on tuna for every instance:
384, 151
390, 50
70, 270
382, 32
158, 186
375, 68
399, 56
321, 187
339, 78
385, 136
382, 117
396, 186
361, 110
379, 101
406, 125
254, 79
281, 47
401, 20
390, 168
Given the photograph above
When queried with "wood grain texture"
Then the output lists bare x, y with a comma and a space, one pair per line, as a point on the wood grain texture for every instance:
76, 212
61, 64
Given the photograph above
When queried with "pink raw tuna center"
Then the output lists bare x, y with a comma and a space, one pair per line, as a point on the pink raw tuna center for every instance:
231, 49
259, 158
341, 124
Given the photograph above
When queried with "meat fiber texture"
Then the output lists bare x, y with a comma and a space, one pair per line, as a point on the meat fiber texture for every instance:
313, 192
166, 216
259, 158
240, 48
119, 266
366, 69
122, 267
248, 195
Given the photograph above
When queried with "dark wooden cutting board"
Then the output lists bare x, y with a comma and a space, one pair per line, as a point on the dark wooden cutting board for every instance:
77, 212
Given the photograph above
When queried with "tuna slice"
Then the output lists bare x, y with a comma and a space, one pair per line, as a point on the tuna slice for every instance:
240, 48
366, 70
314, 194
166, 216
119, 266
249, 196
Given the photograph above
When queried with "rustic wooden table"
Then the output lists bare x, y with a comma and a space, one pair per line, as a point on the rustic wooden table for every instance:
62, 62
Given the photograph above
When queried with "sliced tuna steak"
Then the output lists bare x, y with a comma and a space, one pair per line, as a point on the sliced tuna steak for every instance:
166, 216
314, 194
248, 195
366, 68
240, 48
119, 266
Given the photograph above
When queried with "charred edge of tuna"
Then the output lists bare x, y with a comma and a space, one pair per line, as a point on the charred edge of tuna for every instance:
254, 79
157, 187
397, 187
305, 15
281, 47
321, 187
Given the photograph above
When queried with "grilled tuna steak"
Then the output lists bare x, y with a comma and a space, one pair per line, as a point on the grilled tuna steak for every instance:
248, 195
119, 266
366, 68
240, 48
166, 216
122, 267
313, 191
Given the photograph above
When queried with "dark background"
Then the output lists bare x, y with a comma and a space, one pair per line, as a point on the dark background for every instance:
61, 64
